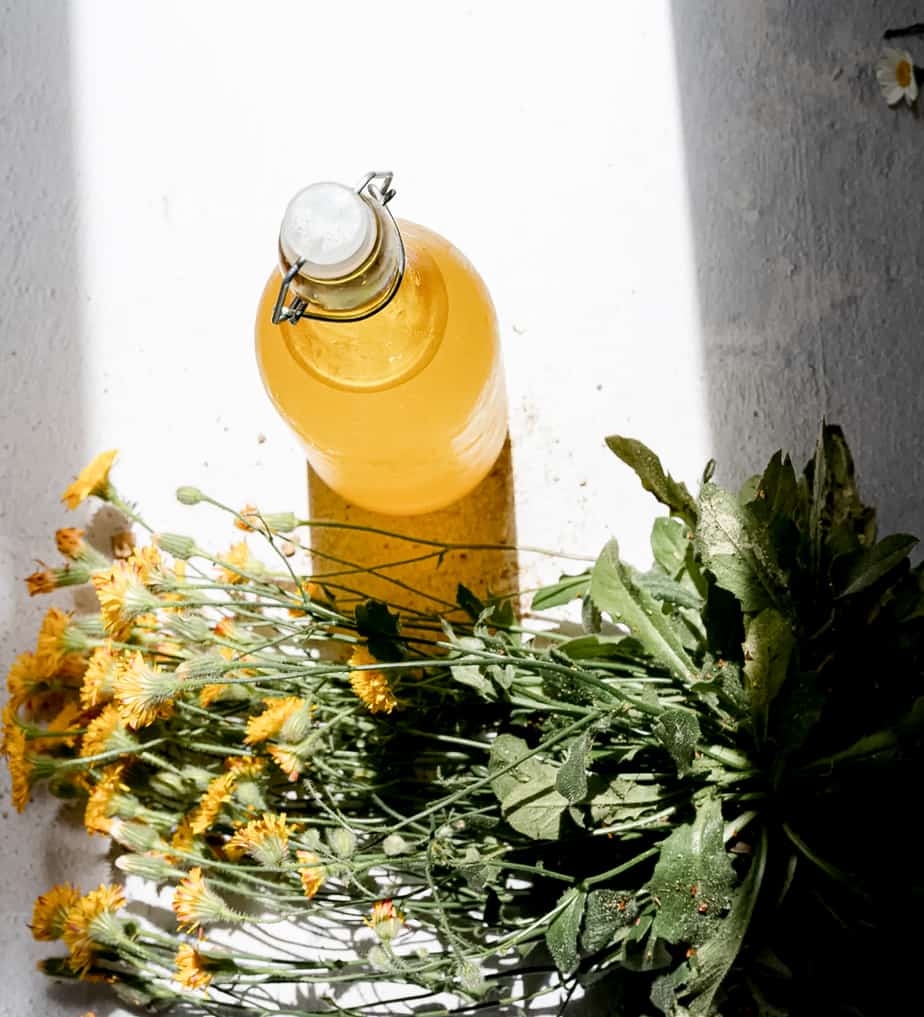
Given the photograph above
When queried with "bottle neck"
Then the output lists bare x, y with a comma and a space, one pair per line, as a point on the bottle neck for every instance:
363, 291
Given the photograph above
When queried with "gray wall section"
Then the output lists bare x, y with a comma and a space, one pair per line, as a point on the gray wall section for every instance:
806, 193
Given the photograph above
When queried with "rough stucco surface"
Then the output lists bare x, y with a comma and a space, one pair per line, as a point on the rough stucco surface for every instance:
805, 198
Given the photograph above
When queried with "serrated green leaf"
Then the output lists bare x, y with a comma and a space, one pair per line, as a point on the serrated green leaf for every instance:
768, 644
529, 800
679, 732
693, 879
602, 647
568, 588
872, 564
571, 781
613, 590
621, 800
468, 674
650, 472
562, 934
735, 546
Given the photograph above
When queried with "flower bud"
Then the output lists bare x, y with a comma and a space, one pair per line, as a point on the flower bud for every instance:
176, 544
342, 842
135, 836
471, 980
379, 960
189, 495
395, 844
149, 866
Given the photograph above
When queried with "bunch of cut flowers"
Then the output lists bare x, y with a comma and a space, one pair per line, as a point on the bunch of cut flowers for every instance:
697, 804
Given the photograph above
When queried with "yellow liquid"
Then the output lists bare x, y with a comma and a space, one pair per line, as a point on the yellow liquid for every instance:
406, 411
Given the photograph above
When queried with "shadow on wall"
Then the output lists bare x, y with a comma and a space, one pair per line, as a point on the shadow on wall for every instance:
807, 217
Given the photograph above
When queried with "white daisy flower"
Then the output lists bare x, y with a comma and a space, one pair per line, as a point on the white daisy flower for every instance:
895, 72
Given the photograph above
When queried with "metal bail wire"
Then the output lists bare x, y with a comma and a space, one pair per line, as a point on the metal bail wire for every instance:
298, 308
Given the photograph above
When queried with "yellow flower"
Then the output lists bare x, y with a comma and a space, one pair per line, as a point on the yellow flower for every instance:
123, 595
50, 911
244, 767
217, 794
196, 903
44, 581
192, 970
26, 676
248, 519
142, 692
63, 722
266, 840
209, 694
183, 838
312, 872
122, 544
385, 920
92, 479
99, 676
69, 541
372, 687
288, 760
50, 635
102, 803
269, 723
106, 733
85, 923
238, 557
14, 745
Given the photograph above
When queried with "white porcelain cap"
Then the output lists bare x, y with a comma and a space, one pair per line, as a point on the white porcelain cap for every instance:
330, 228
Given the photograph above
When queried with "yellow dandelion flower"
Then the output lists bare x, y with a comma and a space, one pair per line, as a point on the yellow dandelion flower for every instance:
197, 904
63, 722
270, 722
245, 767
226, 629
217, 795
106, 733
385, 919
183, 839
99, 676
192, 969
123, 596
14, 745
25, 676
310, 590
248, 519
266, 840
209, 694
92, 479
372, 687
312, 873
288, 760
50, 637
84, 923
69, 541
238, 557
71, 669
102, 803
51, 910
43, 581
142, 691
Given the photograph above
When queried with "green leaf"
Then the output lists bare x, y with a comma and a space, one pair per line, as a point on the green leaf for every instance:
768, 644
875, 562
715, 957
568, 588
562, 934
571, 781
529, 800
605, 912
651, 473
602, 647
663, 588
679, 732
669, 543
736, 549
693, 879
621, 800
468, 674
613, 590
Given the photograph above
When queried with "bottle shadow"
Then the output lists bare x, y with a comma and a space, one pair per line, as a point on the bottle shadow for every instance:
416, 563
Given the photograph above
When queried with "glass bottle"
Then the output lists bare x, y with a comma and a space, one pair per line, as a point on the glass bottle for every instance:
386, 360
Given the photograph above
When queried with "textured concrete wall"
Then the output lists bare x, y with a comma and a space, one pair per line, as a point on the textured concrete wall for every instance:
807, 208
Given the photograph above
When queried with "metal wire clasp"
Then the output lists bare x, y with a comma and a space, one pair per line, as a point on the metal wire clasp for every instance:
298, 309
